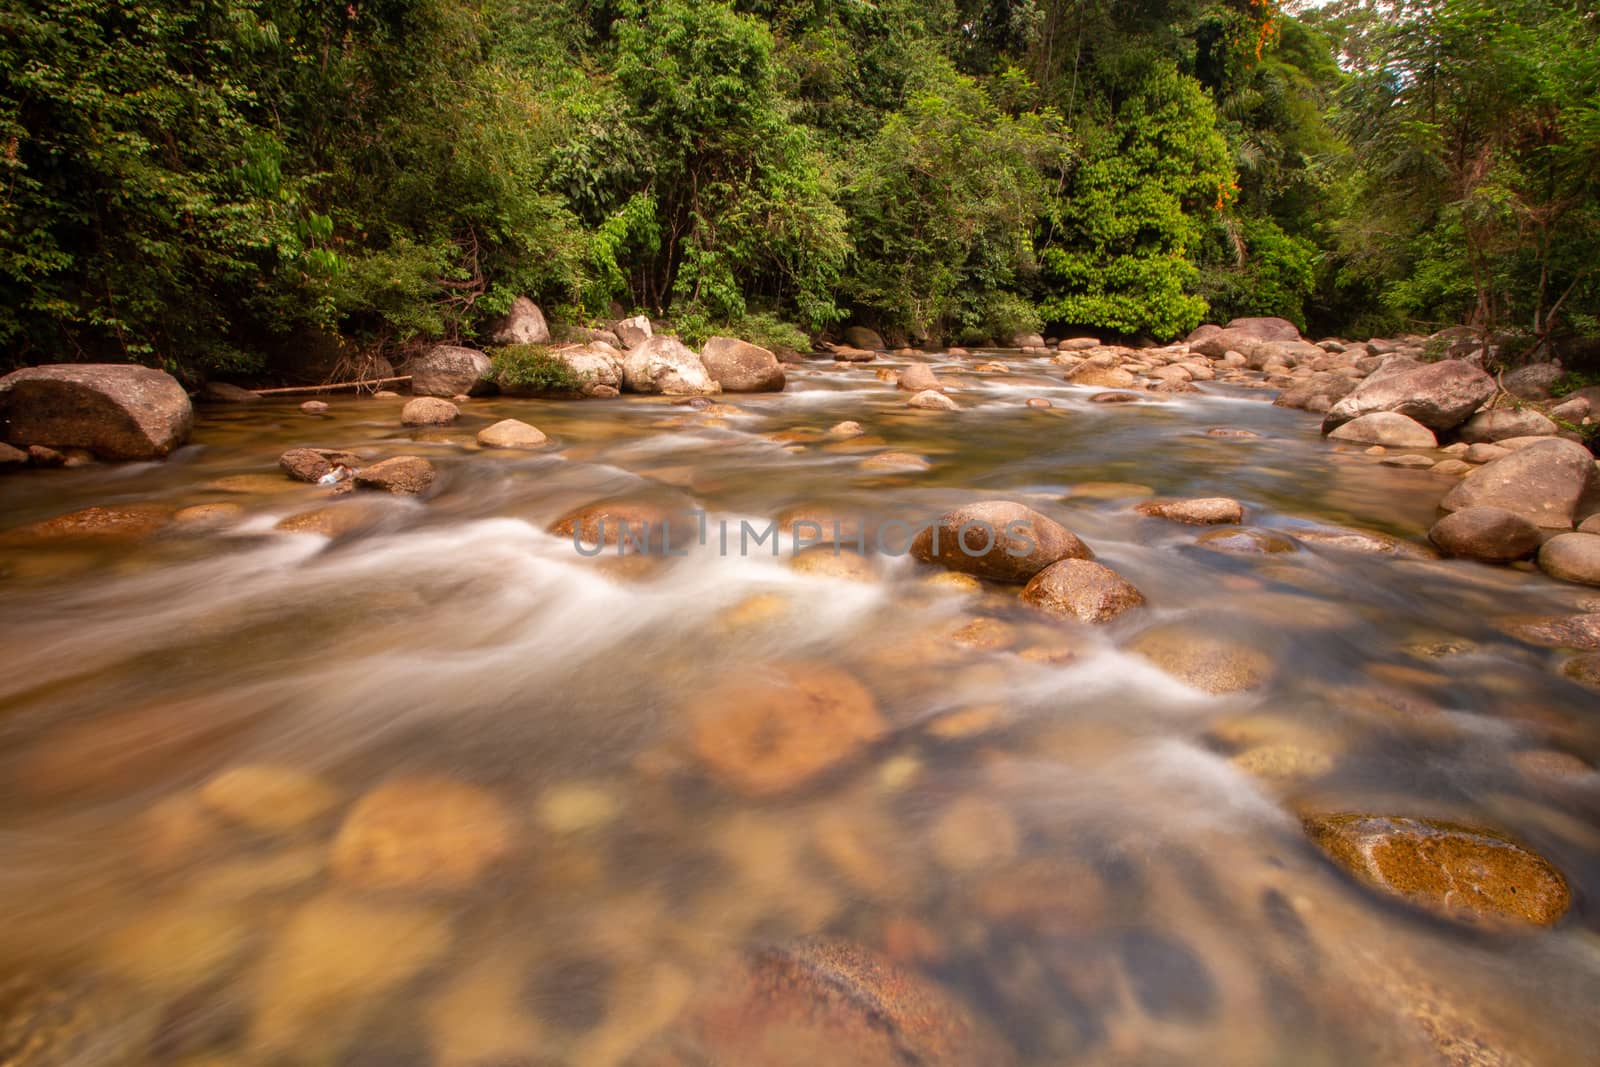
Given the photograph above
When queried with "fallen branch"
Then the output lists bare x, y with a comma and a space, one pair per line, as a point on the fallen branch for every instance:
290, 390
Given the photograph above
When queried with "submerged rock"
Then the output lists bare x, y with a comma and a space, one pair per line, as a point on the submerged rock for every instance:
314, 464
1214, 664
1245, 542
1083, 590
831, 1001
999, 540
117, 411
1207, 511
127, 522
782, 727
932, 400
1460, 872
421, 833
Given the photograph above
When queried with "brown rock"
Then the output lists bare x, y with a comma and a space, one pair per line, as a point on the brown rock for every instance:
1245, 542
1099, 377
1039, 402
116, 411
1388, 428
1460, 872
1487, 427
421, 833
1081, 589
113, 523
637, 526
1559, 631
932, 401
401, 475
335, 520
828, 1001
125, 750
1573, 557
741, 367
1364, 541
450, 370
1545, 482
895, 461
829, 561
1208, 511
1585, 670
428, 411
1493, 535
1214, 664
919, 378
999, 540
311, 464
1440, 395
779, 729
862, 337
512, 433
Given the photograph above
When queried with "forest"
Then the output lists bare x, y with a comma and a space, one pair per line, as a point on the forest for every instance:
213, 186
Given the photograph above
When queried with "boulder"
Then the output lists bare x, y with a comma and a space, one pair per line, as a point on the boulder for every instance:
314, 407
421, 833
998, 540
774, 730
1533, 382
1026, 340
1441, 395
428, 411
1100, 377
450, 370
12, 458
1245, 542
1573, 557
523, 325
633, 332
1209, 511
1219, 344
1487, 427
1078, 344
116, 411
862, 337
824, 1000
1388, 428
1544, 482
1318, 392
919, 378
1200, 333
1266, 329
629, 526
314, 464
741, 367
851, 354
401, 475
663, 365
1573, 409
1460, 872
1083, 590
1493, 535
224, 393
597, 365
1485, 453
512, 433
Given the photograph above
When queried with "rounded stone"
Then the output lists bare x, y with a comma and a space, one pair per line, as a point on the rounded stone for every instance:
428, 411
1493, 535
999, 540
1460, 872
400, 475
1245, 542
1208, 511
421, 833
270, 798
974, 834
314, 407
1083, 590
511, 433
1214, 664
777, 729
932, 400
1573, 557
1388, 428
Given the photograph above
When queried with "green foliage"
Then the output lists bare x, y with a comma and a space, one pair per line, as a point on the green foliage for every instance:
1257, 269
532, 370
1572, 381
1151, 173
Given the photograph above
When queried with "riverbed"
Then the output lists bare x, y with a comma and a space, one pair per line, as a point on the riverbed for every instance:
1103, 864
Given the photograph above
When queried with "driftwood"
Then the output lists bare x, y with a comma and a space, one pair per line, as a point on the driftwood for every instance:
291, 390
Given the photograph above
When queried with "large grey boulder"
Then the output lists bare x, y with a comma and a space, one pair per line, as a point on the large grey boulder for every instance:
1533, 382
633, 332
117, 411
1441, 395
1266, 329
741, 367
1550, 483
524, 325
450, 370
663, 365
597, 365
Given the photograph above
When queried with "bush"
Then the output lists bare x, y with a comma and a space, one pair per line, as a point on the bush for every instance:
531, 370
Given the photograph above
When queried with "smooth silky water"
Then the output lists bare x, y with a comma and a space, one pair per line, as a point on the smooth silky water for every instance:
1053, 828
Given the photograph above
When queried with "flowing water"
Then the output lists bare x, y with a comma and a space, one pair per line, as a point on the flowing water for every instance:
1049, 826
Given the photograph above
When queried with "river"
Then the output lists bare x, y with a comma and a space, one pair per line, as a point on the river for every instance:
1104, 864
